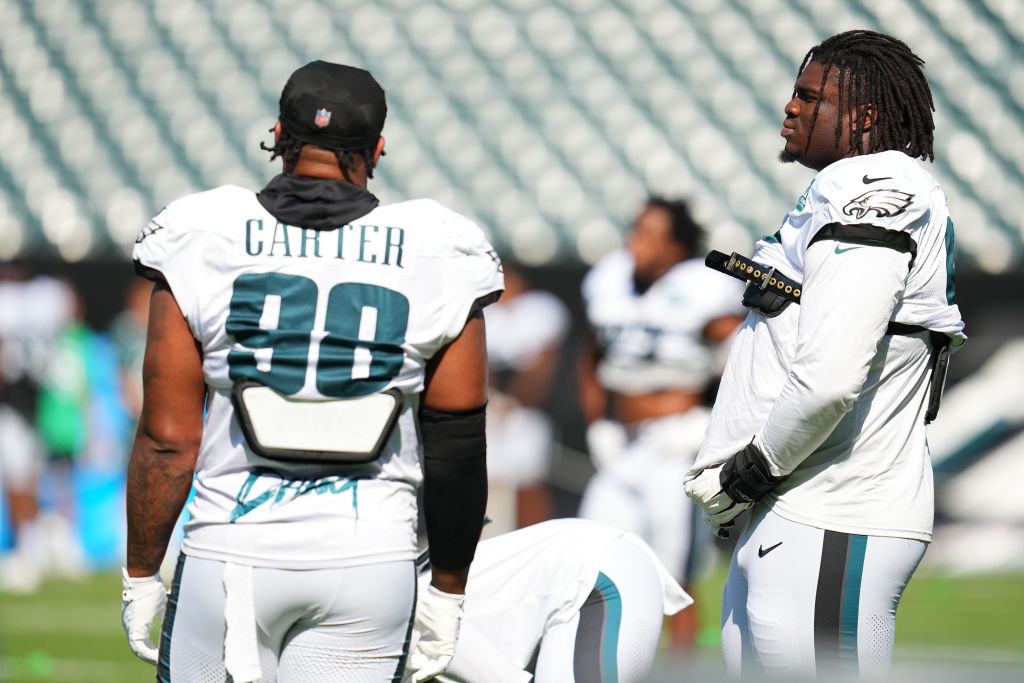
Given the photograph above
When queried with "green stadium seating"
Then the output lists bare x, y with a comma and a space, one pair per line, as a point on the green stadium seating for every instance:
547, 121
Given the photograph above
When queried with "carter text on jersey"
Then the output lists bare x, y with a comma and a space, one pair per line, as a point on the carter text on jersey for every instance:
358, 243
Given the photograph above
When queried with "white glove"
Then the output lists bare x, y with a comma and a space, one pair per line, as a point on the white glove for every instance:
606, 441
143, 599
706, 491
435, 632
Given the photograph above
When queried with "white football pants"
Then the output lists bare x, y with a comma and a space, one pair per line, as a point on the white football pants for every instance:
803, 601
267, 625
612, 637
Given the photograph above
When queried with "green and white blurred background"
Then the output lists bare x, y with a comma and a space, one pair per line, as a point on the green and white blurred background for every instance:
548, 122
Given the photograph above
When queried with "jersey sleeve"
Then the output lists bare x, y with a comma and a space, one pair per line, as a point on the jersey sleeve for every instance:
471, 270
166, 249
843, 315
869, 191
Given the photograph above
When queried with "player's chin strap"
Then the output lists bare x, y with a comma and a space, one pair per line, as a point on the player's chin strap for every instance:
241, 650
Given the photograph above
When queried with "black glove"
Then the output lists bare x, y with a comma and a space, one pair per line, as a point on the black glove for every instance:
746, 476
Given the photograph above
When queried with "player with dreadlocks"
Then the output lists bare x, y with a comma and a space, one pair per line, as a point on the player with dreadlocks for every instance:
875, 71
289, 147
819, 424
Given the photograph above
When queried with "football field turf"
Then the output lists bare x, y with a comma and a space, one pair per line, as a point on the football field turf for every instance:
951, 629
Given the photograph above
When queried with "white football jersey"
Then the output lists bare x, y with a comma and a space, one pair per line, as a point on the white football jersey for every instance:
655, 340
835, 403
522, 327
313, 314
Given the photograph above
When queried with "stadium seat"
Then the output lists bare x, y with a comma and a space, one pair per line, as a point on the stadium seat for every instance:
569, 109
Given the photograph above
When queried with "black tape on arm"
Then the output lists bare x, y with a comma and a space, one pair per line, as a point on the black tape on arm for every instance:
454, 483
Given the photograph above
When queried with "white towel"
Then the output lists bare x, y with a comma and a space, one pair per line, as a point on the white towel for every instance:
241, 653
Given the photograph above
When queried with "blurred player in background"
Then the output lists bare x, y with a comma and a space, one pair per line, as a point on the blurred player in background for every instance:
658, 317
85, 429
526, 329
128, 332
34, 308
820, 417
563, 601
272, 309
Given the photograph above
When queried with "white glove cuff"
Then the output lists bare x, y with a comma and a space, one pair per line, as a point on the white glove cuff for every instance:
436, 608
142, 600
135, 587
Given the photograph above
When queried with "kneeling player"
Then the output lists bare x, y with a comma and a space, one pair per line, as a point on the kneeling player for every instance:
564, 601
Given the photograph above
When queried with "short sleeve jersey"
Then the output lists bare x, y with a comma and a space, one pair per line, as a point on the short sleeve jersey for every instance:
654, 340
860, 464
313, 314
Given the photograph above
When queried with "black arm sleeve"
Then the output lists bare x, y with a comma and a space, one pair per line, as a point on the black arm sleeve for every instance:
454, 483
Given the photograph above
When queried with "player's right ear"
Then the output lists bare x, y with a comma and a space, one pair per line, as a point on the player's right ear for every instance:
277, 132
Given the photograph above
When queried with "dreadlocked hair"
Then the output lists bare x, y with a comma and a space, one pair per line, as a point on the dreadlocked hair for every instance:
881, 71
288, 148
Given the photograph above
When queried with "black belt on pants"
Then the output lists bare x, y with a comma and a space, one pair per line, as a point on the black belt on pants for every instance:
767, 278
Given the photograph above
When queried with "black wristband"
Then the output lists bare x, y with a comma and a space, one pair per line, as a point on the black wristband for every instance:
746, 476
454, 483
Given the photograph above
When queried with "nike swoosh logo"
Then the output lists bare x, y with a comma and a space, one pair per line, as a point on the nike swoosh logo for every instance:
843, 250
762, 551
867, 181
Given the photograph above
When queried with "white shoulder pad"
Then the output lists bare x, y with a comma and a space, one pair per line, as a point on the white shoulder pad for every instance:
883, 189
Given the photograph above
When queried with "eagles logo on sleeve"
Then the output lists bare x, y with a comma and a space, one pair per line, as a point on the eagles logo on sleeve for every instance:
885, 204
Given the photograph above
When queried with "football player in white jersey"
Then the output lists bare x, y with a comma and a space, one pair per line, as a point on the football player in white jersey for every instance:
332, 342
820, 418
526, 330
658, 318
563, 601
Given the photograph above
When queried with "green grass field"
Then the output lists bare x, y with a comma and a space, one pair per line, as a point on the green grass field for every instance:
71, 630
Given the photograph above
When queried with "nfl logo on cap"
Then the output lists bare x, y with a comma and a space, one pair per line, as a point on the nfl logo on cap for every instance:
323, 117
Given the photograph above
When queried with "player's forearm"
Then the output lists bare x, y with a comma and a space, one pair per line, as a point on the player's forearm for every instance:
593, 398
159, 480
454, 488
530, 386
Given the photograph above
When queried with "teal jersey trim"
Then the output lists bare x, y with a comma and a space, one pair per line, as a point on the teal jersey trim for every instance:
163, 664
950, 272
610, 643
851, 603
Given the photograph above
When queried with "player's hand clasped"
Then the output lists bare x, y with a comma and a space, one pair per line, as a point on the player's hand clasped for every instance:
435, 632
143, 599
727, 489
706, 490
